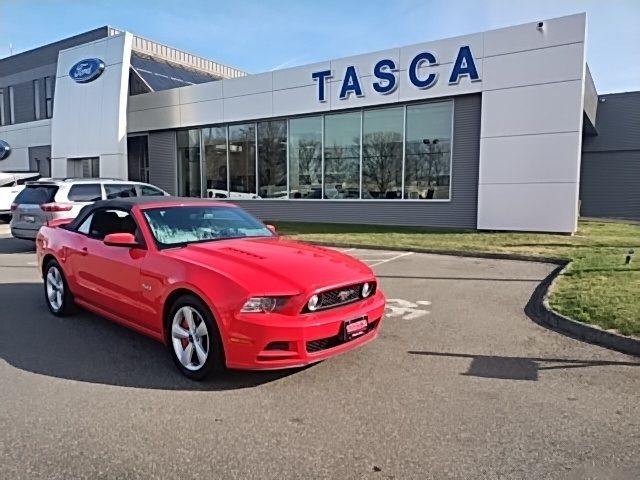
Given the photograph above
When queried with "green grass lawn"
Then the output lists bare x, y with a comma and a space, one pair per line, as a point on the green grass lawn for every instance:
597, 288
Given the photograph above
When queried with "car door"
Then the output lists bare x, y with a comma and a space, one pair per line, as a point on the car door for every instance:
109, 276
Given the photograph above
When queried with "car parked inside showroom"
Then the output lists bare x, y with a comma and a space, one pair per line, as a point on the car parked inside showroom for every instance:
50, 199
217, 286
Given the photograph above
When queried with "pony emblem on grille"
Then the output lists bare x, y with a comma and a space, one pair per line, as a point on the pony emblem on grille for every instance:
344, 295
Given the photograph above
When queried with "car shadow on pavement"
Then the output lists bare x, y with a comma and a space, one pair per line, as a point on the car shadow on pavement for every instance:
88, 348
519, 368
14, 245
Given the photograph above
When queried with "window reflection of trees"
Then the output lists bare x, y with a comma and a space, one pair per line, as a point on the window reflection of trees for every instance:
342, 155
342, 170
242, 158
427, 169
423, 131
272, 159
309, 167
382, 164
305, 157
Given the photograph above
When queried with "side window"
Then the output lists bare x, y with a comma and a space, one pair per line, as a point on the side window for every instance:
115, 190
85, 226
149, 191
85, 192
109, 221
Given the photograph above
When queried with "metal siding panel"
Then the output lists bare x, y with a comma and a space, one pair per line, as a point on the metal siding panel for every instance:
163, 163
48, 53
43, 154
610, 184
24, 107
27, 75
617, 123
460, 212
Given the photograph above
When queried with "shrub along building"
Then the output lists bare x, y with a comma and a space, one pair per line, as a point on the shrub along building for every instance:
484, 131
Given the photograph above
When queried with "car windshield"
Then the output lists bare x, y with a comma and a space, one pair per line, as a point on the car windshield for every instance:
181, 225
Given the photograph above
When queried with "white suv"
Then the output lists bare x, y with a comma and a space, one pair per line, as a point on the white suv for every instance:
11, 183
46, 200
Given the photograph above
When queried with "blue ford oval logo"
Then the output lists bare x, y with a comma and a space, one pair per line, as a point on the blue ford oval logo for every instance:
87, 70
5, 149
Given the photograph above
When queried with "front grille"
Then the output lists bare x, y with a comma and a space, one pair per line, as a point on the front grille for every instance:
330, 342
323, 344
340, 296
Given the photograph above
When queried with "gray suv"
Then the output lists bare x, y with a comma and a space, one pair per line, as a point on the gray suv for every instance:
46, 200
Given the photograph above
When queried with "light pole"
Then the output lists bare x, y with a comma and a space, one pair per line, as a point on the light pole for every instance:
431, 145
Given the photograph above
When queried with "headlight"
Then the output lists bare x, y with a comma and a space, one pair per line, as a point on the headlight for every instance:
261, 304
366, 290
312, 304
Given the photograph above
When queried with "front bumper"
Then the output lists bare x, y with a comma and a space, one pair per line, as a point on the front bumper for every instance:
274, 341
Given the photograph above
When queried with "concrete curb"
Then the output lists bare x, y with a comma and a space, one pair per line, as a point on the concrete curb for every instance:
538, 308
582, 331
453, 253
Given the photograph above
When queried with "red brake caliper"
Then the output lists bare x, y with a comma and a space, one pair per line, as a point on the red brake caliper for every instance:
184, 341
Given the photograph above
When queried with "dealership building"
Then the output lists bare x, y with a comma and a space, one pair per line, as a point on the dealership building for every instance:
499, 130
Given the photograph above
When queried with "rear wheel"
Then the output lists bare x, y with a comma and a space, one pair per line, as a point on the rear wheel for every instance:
5, 218
56, 291
194, 340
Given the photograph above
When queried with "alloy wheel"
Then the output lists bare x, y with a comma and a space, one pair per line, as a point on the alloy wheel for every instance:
55, 289
190, 338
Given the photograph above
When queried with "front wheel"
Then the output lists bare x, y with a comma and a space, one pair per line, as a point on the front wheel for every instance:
56, 291
194, 340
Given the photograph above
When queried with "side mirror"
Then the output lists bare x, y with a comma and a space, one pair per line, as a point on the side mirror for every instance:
120, 240
272, 228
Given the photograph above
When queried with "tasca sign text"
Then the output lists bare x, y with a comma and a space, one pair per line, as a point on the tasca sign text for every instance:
385, 75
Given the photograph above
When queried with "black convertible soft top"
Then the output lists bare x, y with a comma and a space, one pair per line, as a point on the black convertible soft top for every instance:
127, 203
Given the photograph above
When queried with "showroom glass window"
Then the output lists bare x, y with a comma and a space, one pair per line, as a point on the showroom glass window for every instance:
305, 157
428, 151
215, 162
48, 96
36, 99
189, 163
382, 153
342, 155
272, 159
242, 160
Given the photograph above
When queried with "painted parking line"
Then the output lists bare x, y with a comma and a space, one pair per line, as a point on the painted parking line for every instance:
373, 258
403, 254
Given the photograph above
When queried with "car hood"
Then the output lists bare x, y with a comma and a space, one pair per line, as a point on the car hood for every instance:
274, 266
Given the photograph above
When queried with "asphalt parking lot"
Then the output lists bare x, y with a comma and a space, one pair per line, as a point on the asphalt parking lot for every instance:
460, 384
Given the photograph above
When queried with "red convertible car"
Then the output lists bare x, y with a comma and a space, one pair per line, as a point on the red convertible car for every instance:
213, 283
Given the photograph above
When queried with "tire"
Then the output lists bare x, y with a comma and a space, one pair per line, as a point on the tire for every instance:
195, 346
56, 291
6, 218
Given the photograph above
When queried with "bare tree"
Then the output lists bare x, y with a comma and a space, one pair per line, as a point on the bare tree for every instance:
272, 155
382, 160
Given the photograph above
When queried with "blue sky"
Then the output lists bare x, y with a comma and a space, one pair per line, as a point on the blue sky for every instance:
257, 36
